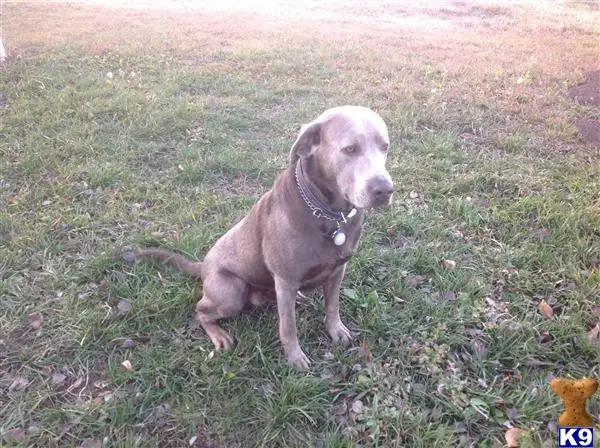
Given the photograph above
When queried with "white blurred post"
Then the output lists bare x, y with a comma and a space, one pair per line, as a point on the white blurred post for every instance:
2, 52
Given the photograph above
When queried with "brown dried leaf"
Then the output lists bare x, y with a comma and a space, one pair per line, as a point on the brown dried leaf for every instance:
91, 443
403, 242
64, 430
18, 384
15, 435
36, 320
451, 296
546, 310
101, 384
127, 366
399, 299
103, 287
511, 377
357, 407
124, 306
594, 335
448, 264
543, 234
512, 413
436, 413
340, 409
414, 280
364, 352
76, 384
460, 427
545, 337
479, 349
512, 437
58, 378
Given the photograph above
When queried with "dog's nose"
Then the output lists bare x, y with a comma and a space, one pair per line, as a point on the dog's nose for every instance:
381, 189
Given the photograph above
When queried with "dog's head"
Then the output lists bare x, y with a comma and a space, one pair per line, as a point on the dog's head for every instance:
351, 145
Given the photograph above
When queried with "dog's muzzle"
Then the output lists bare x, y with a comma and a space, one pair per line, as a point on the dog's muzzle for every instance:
380, 191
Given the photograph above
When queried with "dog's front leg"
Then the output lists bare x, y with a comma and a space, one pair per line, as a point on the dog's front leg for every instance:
286, 308
331, 293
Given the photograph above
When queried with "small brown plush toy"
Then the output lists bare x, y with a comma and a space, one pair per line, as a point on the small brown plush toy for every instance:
574, 395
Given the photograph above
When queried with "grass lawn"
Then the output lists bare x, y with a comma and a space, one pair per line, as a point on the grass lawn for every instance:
148, 126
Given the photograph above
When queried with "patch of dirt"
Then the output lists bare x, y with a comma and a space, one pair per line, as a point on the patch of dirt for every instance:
587, 93
589, 130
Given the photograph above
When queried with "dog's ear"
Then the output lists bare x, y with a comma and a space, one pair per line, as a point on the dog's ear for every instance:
308, 140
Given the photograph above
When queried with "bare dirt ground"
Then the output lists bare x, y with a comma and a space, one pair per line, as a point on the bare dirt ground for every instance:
588, 93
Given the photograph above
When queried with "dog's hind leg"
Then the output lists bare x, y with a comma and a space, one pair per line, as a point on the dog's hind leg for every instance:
225, 295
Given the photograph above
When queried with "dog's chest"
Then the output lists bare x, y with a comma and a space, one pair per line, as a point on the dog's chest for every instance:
325, 262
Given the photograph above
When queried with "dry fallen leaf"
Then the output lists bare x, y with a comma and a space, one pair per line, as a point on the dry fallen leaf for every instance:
511, 377
594, 335
357, 407
127, 365
129, 257
451, 296
399, 299
58, 378
545, 309
91, 443
193, 440
512, 437
545, 337
414, 280
542, 234
18, 384
78, 382
479, 349
124, 306
36, 320
413, 194
403, 242
512, 413
64, 430
449, 264
16, 435
340, 409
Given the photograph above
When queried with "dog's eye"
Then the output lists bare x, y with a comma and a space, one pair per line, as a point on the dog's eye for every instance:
349, 149
385, 148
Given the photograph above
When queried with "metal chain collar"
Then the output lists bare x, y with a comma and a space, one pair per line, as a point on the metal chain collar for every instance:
319, 209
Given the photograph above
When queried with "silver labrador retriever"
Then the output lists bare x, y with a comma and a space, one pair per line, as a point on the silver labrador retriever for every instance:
301, 233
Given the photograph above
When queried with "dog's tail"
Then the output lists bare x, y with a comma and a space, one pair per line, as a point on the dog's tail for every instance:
165, 256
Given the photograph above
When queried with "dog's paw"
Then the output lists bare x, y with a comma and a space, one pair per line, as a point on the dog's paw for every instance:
298, 359
339, 333
221, 339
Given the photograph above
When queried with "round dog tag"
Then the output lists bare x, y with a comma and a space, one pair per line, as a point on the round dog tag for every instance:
339, 237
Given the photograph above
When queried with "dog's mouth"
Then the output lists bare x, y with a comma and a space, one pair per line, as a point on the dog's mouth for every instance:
381, 202
365, 200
